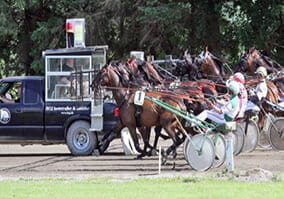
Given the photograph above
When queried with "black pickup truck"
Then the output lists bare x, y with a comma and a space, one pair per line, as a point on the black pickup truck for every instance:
41, 110
26, 118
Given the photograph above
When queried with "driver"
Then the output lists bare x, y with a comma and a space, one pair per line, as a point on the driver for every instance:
227, 112
16, 99
260, 91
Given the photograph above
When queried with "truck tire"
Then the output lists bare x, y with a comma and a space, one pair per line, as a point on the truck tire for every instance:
80, 140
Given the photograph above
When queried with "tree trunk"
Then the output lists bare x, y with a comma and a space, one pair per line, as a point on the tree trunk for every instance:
213, 36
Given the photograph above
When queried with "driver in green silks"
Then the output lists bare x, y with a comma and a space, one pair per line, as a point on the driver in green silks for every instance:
227, 112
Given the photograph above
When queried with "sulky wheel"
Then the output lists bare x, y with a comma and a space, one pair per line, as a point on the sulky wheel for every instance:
238, 139
185, 143
276, 134
200, 153
220, 149
251, 136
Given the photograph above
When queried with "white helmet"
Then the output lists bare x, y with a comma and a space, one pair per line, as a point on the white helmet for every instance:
233, 86
261, 70
239, 77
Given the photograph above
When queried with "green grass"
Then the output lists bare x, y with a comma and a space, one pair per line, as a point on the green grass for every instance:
169, 188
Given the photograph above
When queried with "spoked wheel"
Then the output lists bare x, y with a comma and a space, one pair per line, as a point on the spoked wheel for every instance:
263, 140
220, 149
238, 139
200, 152
251, 136
276, 134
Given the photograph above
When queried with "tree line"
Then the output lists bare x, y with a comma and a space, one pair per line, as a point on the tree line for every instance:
158, 27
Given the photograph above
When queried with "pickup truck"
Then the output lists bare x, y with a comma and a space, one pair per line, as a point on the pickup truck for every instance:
30, 119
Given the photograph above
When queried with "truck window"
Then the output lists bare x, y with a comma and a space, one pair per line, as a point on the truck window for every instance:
3, 88
61, 82
32, 92
98, 61
11, 92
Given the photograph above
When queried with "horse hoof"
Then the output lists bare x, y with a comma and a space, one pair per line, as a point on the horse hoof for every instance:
96, 152
139, 157
154, 153
174, 155
164, 160
164, 157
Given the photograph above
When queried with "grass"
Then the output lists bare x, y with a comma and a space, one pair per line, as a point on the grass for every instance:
109, 188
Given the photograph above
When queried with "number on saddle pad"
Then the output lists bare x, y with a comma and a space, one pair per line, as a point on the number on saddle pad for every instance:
139, 98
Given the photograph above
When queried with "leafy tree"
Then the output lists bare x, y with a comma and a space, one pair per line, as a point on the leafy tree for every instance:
158, 27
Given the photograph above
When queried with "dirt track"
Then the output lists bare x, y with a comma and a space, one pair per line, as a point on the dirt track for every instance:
55, 161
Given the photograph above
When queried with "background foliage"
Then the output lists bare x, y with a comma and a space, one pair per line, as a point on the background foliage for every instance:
158, 27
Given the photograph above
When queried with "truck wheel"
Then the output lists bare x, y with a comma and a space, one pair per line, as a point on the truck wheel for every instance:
80, 140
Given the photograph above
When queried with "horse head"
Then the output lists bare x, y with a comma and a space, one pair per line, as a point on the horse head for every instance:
132, 65
209, 65
253, 59
242, 65
97, 79
107, 76
187, 67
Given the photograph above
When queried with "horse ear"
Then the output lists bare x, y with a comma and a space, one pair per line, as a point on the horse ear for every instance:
205, 50
185, 52
252, 49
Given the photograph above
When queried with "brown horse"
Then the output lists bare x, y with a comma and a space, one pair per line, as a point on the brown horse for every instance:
253, 59
210, 66
205, 65
151, 115
144, 70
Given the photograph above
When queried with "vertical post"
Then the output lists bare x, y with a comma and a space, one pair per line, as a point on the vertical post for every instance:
160, 162
229, 152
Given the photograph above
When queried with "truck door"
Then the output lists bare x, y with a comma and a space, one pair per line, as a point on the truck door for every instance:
23, 119
32, 110
10, 112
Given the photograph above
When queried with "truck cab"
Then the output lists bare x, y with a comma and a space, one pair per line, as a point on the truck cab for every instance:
22, 115
59, 107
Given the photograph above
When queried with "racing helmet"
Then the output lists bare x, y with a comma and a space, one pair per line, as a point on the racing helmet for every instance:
233, 86
261, 70
239, 77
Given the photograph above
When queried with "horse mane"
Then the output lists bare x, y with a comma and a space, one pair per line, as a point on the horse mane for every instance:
120, 74
151, 76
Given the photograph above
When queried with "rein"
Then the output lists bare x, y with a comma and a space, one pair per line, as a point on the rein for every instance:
183, 96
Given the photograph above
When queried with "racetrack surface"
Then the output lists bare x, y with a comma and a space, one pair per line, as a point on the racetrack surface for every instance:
37, 161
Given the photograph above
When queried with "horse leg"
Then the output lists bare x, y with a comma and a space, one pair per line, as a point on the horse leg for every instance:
172, 134
158, 134
109, 137
176, 142
145, 133
158, 130
147, 142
